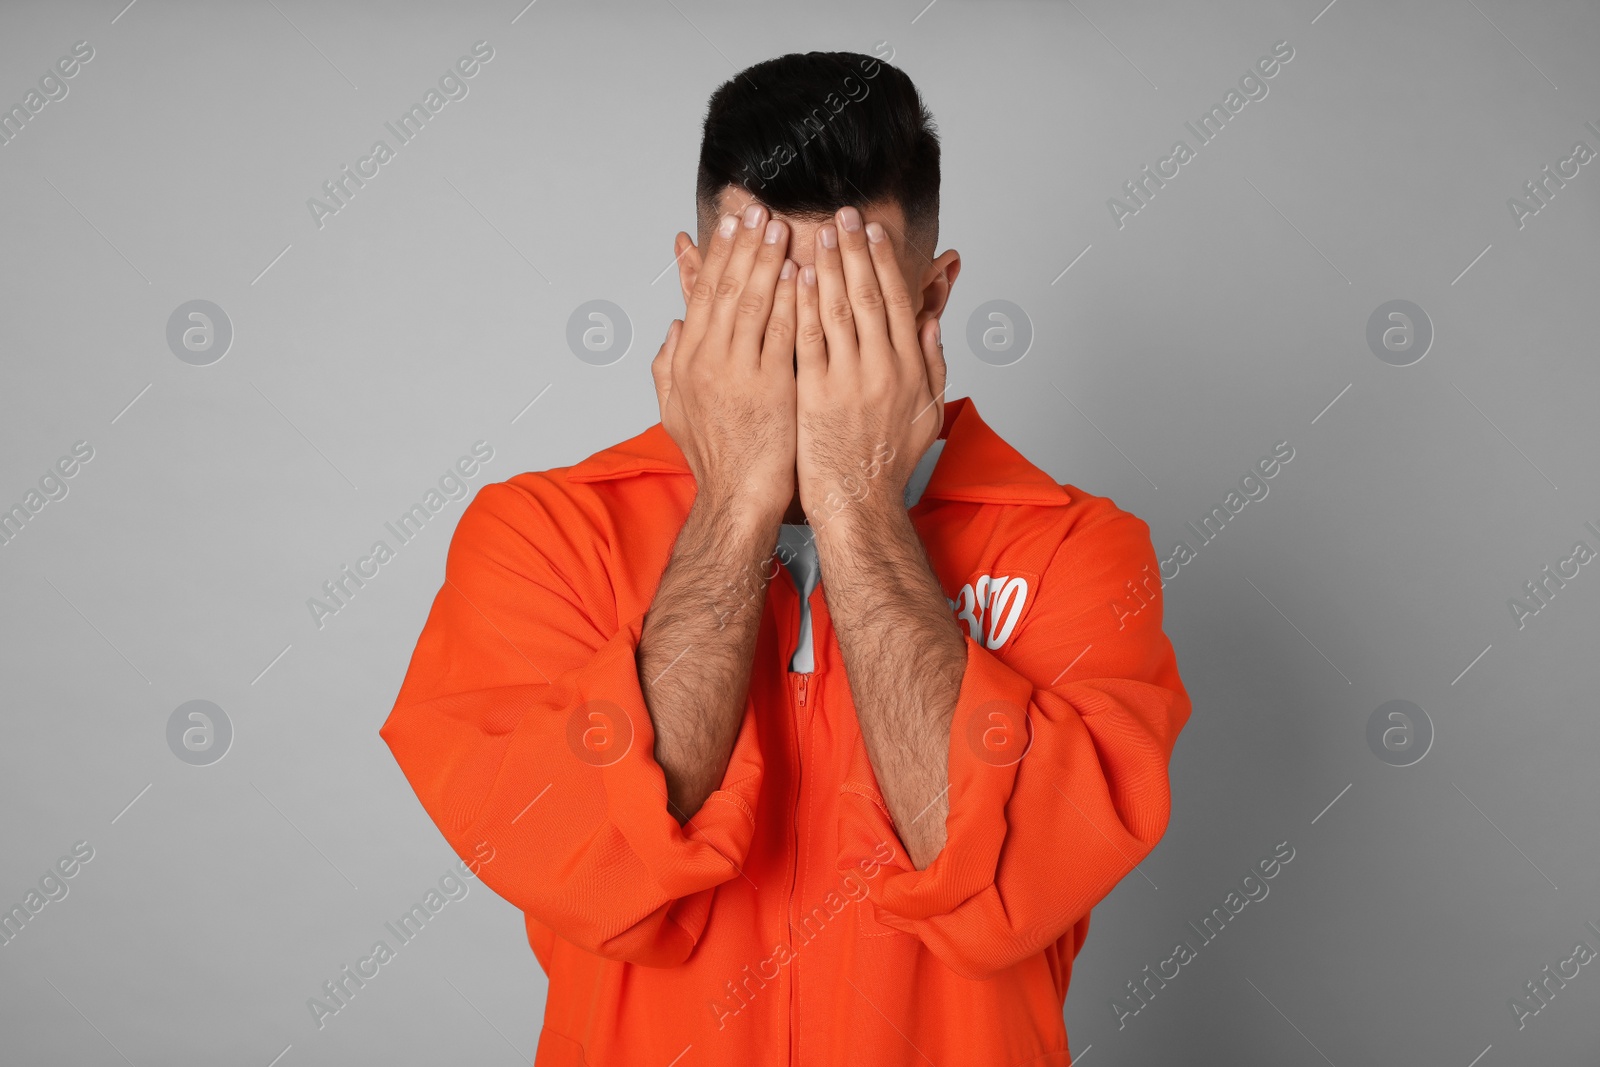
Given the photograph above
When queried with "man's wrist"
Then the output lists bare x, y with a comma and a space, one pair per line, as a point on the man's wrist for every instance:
739, 514
867, 519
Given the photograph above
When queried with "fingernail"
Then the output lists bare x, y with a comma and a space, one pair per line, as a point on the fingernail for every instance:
788, 270
938, 333
850, 218
752, 216
830, 237
774, 231
808, 274
728, 224
874, 232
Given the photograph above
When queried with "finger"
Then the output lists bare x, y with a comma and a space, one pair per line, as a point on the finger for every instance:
661, 366
702, 295
861, 279
896, 297
838, 319
777, 347
932, 348
736, 274
810, 340
755, 305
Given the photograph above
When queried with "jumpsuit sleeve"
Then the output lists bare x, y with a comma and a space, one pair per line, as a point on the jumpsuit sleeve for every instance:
522, 727
1058, 777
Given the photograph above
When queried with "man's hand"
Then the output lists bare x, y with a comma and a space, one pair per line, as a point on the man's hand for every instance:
725, 376
869, 385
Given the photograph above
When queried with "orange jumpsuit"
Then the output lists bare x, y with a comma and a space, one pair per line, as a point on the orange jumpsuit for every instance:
784, 924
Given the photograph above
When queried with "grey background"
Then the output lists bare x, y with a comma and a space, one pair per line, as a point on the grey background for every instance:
1227, 316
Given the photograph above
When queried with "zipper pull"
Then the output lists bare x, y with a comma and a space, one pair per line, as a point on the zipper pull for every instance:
804, 680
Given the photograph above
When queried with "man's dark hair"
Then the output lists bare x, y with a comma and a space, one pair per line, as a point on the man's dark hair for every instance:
808, 134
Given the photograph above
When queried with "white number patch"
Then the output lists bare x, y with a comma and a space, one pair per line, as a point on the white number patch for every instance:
991, 607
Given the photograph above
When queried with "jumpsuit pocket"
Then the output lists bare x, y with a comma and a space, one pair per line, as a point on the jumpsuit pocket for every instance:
869, 846
557, 1050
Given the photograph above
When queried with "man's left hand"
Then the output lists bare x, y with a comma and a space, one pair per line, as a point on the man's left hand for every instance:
869, 384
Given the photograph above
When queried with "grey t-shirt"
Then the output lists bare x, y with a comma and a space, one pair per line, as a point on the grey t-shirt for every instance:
798, 548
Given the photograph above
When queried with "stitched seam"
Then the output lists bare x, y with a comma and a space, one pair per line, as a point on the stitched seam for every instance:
876, 799
888, 931
582, 1052
736, 800
811, 807
871, 794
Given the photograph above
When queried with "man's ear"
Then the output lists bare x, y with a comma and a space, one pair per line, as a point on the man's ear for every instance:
940, 278
688, 263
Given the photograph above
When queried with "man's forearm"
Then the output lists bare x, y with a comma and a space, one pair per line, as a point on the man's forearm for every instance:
904, 655
698, 641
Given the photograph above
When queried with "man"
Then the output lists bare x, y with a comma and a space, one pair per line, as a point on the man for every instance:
853, 806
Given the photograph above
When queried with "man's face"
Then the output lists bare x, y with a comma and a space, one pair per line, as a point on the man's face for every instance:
928, 279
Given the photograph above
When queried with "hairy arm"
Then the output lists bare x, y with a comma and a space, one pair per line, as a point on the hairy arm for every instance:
870, 377
698, 641
725, 382
905, 658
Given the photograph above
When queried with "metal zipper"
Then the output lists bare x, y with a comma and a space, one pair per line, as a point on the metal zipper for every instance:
798, 686
799, 689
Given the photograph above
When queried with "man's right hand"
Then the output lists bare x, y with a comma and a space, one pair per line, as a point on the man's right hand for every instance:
725, 374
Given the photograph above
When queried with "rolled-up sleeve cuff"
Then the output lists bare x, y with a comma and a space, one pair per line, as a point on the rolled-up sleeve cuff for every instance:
610, 728
990, 732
